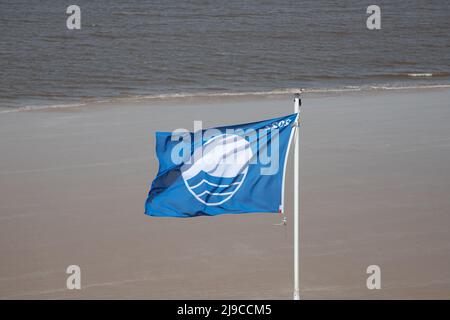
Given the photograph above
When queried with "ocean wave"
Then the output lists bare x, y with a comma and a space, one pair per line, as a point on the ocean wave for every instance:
404, 75
420, 75
249, 94
44, 107
428, 74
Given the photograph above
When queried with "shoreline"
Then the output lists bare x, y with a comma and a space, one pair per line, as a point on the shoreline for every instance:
224, 96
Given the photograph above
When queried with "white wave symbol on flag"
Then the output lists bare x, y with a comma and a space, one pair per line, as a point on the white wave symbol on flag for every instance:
218, 170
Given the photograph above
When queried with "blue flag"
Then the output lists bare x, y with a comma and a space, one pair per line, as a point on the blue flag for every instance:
233, 169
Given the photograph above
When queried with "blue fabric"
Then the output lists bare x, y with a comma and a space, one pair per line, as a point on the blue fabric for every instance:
182, 190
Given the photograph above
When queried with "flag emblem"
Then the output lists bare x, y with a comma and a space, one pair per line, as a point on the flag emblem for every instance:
219, 169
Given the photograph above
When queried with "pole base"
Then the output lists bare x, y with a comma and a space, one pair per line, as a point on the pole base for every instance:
296, 295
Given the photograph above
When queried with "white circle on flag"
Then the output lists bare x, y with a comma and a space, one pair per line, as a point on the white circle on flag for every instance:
218, 169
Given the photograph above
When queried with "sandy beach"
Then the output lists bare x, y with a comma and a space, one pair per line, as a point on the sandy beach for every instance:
375, 185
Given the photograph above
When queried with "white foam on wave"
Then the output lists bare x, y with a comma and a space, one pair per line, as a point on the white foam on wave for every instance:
436, 86
420, 74
43, 107
276, 92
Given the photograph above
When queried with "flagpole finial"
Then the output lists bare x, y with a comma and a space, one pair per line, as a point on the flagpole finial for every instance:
298, 97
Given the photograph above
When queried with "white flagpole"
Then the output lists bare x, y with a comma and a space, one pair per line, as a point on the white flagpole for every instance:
297, 103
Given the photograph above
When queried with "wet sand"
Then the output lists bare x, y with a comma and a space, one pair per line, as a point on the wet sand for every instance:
375, 186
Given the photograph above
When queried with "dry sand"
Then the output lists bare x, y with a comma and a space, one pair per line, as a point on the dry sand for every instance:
375, 189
